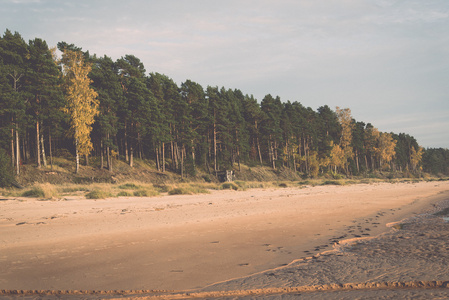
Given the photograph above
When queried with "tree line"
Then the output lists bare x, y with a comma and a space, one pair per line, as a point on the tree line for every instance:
94, 106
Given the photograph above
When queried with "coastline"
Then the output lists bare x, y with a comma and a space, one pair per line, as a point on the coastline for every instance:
317, 256
412, 255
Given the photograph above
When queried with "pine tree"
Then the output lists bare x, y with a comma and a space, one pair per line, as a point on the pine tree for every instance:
14, 56
271, 127
107, 84
358, 137
371, 148
42, 83
193, 95
130, 69
253, 116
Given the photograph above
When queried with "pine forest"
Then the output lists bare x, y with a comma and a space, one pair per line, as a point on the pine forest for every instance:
94, 107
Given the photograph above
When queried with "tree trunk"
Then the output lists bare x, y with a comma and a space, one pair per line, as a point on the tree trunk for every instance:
126, 146
44, 159
238, 156
163, 157
258, 144
139, 145
77, 158
50, 150
38, 150
306, 156
258, 150
294, 163
109, 158
101, 155
275, 158
193, 156
131, 156
271, 153
215, 147
158, 163
182, 162
173, 155
12, 148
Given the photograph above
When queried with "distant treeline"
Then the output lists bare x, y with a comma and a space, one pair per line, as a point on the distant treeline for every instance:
180, 128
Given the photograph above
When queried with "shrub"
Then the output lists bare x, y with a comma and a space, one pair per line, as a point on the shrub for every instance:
35, 192
229, 186
45, 190
141, 193
162, 188
333, 182
97, 194
207, 178
6, 171
337, 176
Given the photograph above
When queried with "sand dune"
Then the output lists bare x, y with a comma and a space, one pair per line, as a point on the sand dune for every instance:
264, 239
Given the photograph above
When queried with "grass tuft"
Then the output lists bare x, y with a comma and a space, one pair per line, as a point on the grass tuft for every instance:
333, 182
145, 193
129, 186
443, 212
124, 194
398, 226
179, 191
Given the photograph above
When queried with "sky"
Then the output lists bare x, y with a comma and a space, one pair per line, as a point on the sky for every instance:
386, 60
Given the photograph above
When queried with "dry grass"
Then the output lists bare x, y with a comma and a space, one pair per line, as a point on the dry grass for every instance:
189, 188
42, 191
135, 188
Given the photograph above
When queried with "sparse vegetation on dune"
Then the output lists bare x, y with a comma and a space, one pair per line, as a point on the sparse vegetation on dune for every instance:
143, 180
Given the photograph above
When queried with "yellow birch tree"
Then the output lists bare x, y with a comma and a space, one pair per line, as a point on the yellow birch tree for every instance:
386, 149
82, 102
337, 157
347, 126
415, 157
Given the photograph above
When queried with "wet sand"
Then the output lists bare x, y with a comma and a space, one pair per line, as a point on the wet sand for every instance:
194, 242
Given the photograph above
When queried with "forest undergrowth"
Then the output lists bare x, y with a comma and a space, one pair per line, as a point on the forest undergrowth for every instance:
143, 180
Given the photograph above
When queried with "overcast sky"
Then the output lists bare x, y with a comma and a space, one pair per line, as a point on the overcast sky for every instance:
386, 60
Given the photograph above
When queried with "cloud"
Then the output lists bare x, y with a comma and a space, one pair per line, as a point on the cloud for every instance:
383, 58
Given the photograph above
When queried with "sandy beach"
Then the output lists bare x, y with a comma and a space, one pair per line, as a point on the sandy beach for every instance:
234, 241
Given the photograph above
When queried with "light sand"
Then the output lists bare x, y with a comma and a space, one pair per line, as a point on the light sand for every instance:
190, 242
